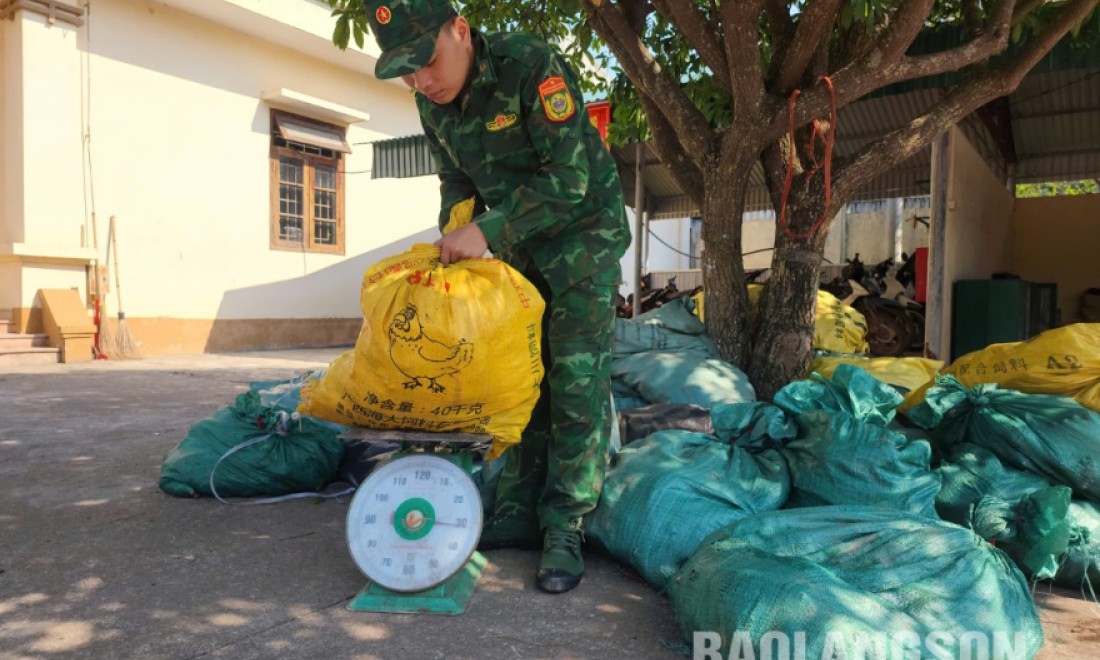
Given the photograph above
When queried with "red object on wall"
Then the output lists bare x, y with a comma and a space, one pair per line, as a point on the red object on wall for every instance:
599, 113
920, 256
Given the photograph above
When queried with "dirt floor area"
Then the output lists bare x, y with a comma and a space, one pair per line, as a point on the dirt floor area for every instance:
97, 562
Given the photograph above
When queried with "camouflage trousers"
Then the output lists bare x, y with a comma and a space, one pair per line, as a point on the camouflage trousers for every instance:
558, 468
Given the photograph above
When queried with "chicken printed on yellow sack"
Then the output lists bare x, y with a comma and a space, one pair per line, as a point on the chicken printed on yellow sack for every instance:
422, 358
414, 365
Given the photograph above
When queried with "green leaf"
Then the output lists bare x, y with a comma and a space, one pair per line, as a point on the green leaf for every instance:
358, 32
341, 34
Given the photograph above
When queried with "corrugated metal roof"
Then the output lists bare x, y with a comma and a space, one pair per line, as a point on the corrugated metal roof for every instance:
1055, 128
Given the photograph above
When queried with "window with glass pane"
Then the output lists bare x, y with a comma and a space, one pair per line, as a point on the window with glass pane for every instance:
324, 205
290, 198
307, 194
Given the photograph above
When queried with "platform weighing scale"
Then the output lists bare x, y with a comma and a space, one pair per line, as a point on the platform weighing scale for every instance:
414, 523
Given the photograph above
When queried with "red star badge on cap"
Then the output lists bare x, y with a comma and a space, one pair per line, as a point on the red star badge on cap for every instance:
383, 15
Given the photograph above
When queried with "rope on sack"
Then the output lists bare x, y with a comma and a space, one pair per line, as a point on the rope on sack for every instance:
281, 429
826, 165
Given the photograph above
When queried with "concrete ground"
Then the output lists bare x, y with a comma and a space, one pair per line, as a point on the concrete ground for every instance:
97, 562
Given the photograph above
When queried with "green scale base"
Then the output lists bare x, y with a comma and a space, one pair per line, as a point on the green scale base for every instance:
449, 597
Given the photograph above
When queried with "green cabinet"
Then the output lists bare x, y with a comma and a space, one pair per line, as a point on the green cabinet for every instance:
999, 310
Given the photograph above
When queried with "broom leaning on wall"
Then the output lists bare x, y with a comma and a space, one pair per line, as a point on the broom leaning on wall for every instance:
108, 335
121, 346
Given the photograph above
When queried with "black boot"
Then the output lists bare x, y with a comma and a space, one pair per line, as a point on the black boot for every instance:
561, 566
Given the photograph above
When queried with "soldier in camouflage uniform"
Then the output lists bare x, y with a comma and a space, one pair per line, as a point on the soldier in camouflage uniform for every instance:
505, 120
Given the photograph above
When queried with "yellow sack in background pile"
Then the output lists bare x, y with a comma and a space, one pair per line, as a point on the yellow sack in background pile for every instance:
1064, 361
838, 328
698, 300
455, 348
908, 372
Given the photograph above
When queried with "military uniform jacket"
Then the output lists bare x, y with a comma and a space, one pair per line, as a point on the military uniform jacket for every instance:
519, 140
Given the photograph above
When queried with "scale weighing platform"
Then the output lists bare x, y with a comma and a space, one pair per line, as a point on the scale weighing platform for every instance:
414, 523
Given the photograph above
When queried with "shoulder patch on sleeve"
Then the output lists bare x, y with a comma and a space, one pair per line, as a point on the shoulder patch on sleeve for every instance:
556, 99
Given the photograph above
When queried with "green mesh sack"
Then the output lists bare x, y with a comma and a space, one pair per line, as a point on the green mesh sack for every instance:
1033, 529
290, 455
844, 455
753, 426
851, 390
682, 377
838, 459
1051, 436
845, 576
1080, 567
1021, 512
666, 492
670, 327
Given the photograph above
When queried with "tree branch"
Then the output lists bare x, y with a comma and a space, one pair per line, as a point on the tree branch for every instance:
905, 24
686, 16
741, 20
990, 40
673, 155
866, 75
1071, 14
782, 32
646, 74
779, 16
900, 144
1023, 8
815, 24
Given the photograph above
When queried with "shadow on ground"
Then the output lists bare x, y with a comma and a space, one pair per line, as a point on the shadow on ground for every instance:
96, 562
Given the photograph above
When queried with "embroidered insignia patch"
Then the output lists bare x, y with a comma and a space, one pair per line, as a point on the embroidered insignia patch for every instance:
383, 15
556, 99
500, 122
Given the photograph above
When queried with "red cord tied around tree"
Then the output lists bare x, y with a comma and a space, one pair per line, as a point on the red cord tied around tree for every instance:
826, 163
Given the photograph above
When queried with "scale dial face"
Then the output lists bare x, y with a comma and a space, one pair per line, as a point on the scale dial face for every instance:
414, 522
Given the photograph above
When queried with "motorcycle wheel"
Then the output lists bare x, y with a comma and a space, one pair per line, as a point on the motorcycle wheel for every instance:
888, 334
916, 324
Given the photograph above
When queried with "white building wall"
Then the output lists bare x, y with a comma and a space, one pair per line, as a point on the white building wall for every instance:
181, 144
8, 70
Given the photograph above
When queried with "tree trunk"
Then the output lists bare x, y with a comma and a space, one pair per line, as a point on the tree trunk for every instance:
782, 336
727, 307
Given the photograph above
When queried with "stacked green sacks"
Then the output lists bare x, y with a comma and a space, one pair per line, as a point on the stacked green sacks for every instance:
1051, 436
1021, 512
666, 492
664, 356
1080, 567
845, 455
843, 578
1013, 446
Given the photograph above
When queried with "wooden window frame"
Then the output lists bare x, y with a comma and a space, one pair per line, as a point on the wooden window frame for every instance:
307, 244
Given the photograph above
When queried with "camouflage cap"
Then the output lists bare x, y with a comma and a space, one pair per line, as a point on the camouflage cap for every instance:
406, 31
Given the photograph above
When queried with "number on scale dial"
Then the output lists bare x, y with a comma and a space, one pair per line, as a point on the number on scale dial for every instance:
414, 522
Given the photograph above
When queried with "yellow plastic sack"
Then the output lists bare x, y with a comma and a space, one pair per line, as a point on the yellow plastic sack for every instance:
908, 372
461, 215
1064, 361
838, 328
698, 300
443, 348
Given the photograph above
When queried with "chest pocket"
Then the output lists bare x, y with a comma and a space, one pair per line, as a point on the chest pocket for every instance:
508, 150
